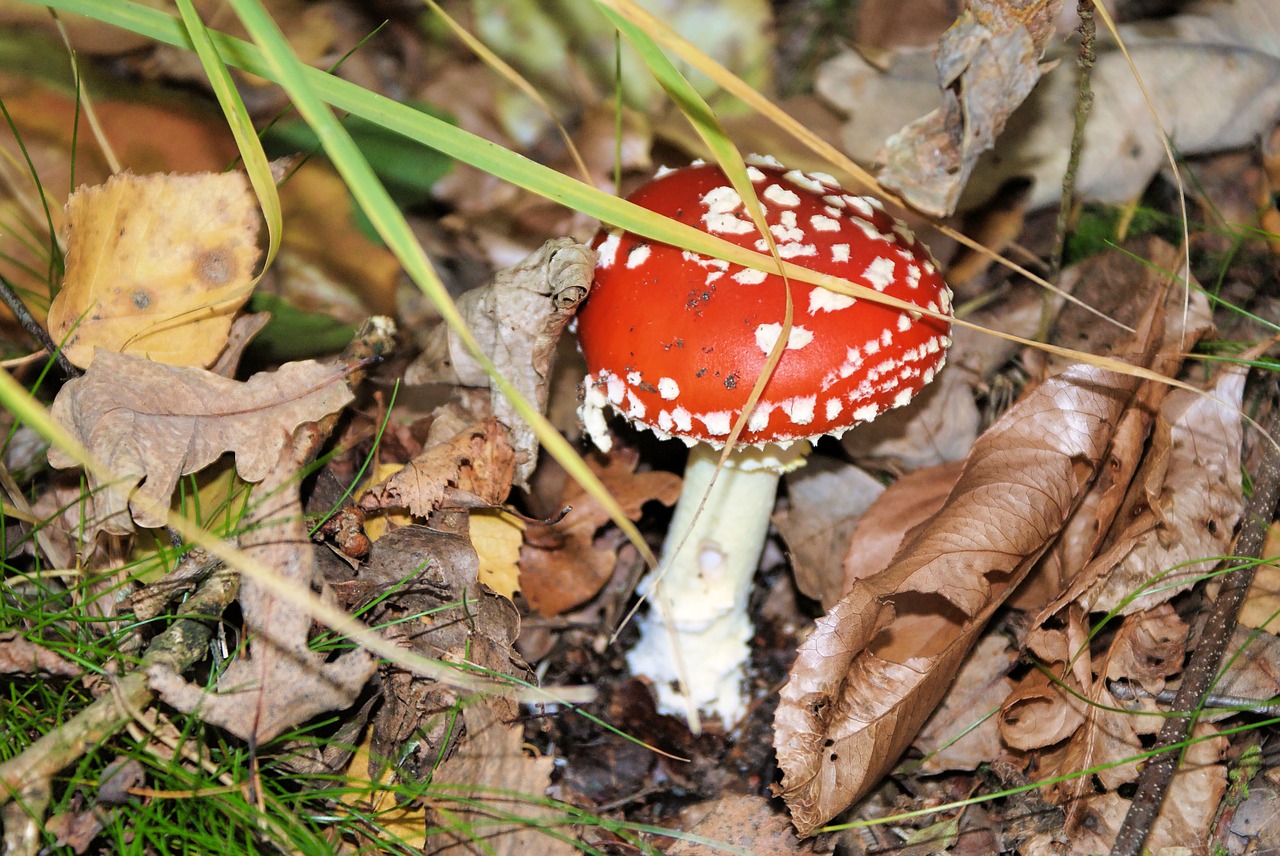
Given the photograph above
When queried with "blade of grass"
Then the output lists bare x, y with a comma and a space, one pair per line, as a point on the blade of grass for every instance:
255, 160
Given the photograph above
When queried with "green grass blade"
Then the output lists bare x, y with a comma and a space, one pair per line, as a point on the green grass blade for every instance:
255, 159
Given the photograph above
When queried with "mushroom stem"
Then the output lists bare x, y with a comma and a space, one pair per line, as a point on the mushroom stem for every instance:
694, 640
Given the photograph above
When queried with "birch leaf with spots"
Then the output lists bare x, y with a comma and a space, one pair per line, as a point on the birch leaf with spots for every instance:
149, 424
157, 265
881, 660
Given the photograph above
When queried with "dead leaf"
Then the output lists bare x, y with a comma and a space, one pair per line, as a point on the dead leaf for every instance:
149, 424
1188, 500
517, 319
1262, 604
477, 460
828, 496
497, 536
745, 821
424, 587
988, 62
279, 682
559, 564
905, 504
1148, 648
157, 266
965, 732
878, 664
21, 656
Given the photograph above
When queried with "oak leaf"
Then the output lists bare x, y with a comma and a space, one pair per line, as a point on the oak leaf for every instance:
149, 424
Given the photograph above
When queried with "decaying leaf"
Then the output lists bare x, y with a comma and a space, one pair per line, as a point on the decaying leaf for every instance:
1211, 75
559, 565
425, 586
497, 536
149, 424
988, 62
739, 820
880, 661
21, 656
517, 319
828, 497
157, 266
965, 732
477, 460
280, 682
1182, 508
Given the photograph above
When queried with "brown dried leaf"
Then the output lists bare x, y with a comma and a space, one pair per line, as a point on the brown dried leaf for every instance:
828, 497
905, 504
280, 682
963, 733
517, 319
21, 656
1148, 648
560, 567
988, 62
149, 424
1182, 506
157, 266
745, 821
477, 460
865, 681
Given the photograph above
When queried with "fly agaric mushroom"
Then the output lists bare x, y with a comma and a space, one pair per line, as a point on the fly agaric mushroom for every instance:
674, 341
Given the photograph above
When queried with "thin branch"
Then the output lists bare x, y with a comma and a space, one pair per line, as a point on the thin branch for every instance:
20, 311
182, 644
1084, 103
1202, 671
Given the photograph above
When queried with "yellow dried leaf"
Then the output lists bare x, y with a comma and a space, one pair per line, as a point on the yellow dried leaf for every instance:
157, 266
497, 536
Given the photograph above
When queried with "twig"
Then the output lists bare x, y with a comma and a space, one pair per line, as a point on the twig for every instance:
20, 311
1084, 103
181, 645
1201, 672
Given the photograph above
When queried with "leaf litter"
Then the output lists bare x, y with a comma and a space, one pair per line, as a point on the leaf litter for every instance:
966, 625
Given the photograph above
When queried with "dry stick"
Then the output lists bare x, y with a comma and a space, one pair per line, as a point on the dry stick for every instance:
20, 311
1201, 672
1084, 103
178, 647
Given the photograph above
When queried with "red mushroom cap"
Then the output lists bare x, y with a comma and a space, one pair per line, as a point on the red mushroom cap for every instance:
675, 340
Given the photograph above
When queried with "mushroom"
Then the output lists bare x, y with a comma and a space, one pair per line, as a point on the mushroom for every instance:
674, 342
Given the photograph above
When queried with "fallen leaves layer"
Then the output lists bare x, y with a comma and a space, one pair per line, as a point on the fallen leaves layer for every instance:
149, 424
560, 564
880, 661
279, 681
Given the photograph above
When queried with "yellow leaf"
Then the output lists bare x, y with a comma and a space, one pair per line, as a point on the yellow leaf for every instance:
376, 525
157, 266
497, 536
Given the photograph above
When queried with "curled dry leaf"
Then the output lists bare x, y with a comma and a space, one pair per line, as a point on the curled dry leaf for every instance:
279, 682
157, 266
149, 424
1181, 509
517, 319
988, 62
878, 664
477, 460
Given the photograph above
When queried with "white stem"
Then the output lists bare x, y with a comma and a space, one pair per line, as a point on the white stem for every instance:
694, 641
